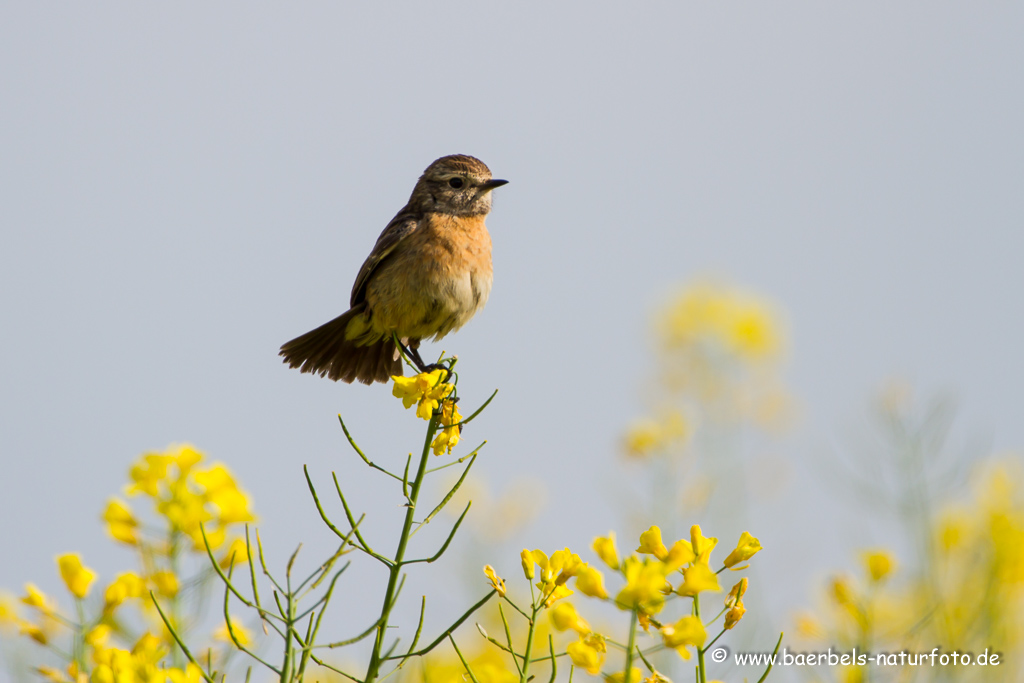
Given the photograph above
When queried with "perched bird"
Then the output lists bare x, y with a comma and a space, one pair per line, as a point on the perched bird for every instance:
428, 274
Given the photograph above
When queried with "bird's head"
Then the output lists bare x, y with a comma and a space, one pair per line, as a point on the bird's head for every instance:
459, 185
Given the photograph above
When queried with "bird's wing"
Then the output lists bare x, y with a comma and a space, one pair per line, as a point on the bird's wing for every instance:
400, 227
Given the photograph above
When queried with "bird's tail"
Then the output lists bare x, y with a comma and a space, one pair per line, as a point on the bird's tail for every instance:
328, 351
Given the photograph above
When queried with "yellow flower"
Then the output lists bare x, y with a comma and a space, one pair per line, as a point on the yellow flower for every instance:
620, 677
953, 530
554, 572
809, 627
236, 553
651, 544
38, 599
528, 564
222, 491
126, 585
590, 581
642, 438
745, 549
147, 473
185, 511
679, 554
113, 666
447, 439
842, 592
242, 634
564, 617
166, 583
585, 656
8, 609
879, 564
646, 436
98, 636
496, 581
739, 322
121, 524
553, 593
685, 632
559, 568
701, 545
76, 577
604, 547
733, 616
752, 331
52, 674
737, 592
191, 674
426, 389
645, 586
658, 677
697, 579
185, 457
34, 632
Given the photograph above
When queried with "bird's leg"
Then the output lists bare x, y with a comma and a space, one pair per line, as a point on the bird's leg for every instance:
413, 351
414, 354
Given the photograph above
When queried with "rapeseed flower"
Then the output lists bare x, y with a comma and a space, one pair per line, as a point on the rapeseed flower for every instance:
38, 599
425, 389
604, 547
687, 632
745, 549
242, 634
651, 543
449, 418
121, 523
565, 617
646, 586
126, 585
701, 545
496, 581
635, 675
586, 655
733, 616
737, 592
590, 582
77, 578
879, 564
698, 578
526, 557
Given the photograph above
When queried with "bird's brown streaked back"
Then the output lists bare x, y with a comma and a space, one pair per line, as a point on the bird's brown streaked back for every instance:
427, 275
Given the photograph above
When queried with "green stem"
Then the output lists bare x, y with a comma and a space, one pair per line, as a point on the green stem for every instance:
289, 647
78, 648
524, 674
702, 675
376, 657
631, 644
172, 555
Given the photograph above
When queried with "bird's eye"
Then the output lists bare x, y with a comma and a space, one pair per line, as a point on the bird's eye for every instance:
455, 182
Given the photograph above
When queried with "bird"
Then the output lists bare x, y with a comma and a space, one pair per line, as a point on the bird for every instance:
428, 273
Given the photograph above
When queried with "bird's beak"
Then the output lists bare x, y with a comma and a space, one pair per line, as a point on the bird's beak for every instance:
491, 184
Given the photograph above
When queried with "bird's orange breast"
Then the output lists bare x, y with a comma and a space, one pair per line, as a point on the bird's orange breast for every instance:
436, 279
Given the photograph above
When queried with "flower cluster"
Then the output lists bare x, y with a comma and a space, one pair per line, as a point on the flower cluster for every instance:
736, 321
968, 596
93, 656
189, 498
719, 356
432, 397
651, 577
99, 640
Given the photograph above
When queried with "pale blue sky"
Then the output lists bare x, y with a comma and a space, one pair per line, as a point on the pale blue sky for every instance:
183, 188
